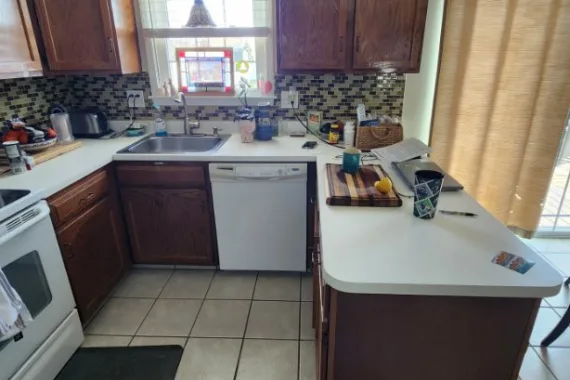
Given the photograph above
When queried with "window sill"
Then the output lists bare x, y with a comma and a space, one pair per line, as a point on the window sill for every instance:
252, 100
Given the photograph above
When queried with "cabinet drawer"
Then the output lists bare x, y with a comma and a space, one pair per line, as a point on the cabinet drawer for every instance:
162, 175
78, 196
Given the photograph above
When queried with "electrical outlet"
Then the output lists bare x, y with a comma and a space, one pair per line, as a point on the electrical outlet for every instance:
290, 96
139, 98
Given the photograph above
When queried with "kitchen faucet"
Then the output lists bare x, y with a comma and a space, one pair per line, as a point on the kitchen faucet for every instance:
189, 126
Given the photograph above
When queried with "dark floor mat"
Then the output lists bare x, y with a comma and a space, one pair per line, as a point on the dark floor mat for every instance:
123, 363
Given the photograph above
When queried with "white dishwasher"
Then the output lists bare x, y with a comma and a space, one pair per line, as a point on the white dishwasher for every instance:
261, 215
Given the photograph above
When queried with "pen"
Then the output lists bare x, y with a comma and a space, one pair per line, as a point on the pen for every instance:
470, 214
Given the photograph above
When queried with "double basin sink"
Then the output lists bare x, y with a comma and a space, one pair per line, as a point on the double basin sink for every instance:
177, 144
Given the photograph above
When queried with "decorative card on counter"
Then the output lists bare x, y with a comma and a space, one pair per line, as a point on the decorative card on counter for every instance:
513, 262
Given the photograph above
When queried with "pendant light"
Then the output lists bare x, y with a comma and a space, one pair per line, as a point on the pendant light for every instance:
199, 16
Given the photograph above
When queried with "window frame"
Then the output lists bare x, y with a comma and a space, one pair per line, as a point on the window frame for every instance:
157, 38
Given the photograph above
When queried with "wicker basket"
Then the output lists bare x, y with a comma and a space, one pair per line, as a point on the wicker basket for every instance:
376, 137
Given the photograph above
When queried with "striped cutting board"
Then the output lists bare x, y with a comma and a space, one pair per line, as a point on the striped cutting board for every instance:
345, 189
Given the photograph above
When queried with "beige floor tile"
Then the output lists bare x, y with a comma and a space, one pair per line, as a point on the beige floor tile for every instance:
278, 287
533, 368
562, 299
143, 283
106, 341
188, 284
545, 322
307, 331
222, 319
232, 285
157, 341
209, 359
273, 320
556, 359
170, 317
307, 287
268, 359
120, 316
307, 365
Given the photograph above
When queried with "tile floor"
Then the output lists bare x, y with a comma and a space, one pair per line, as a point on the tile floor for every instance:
550, 363
243, 326
250, 326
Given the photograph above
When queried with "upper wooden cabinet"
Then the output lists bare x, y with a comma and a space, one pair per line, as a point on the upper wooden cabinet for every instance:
395, 38
19, 55
349, 35
89, 35
311, 34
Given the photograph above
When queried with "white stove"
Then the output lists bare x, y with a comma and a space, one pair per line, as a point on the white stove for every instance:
32, 263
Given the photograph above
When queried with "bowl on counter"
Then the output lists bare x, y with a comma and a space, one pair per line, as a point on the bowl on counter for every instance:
38, 147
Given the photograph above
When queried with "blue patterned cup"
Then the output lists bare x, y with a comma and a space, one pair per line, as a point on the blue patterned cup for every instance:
427, 187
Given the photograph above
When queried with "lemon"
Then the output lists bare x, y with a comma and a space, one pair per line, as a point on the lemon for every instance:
384, 185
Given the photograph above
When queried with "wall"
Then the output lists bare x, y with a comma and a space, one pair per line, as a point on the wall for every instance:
30, 98
420, 88
336, 95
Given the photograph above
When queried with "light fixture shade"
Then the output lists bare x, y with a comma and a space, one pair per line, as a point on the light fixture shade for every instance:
199, 16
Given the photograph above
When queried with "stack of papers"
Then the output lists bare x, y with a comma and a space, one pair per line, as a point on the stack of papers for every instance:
403, 151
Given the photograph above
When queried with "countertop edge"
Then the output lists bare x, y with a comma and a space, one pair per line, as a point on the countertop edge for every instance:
441, 290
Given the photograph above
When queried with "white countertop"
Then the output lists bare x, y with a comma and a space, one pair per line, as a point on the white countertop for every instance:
365, 250
381, 250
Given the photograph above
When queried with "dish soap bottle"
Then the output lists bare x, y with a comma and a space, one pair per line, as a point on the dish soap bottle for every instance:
159, 123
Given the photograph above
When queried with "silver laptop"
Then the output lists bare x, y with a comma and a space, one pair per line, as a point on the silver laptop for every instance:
407, 170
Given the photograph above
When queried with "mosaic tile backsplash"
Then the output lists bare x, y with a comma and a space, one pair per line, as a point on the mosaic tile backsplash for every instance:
335, 95
30, 98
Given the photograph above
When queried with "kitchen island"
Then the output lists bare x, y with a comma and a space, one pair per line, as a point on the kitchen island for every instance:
398, 297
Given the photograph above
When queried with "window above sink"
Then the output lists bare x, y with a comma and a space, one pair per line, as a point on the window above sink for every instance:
245, 26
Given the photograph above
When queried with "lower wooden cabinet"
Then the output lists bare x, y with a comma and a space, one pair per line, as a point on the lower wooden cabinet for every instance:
168, 226
95, 253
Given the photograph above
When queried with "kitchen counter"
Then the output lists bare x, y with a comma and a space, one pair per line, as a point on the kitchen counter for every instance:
280, 149
365, 250
54, 175
389, 251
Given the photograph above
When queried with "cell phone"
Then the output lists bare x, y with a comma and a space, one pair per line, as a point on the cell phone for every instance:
309, 145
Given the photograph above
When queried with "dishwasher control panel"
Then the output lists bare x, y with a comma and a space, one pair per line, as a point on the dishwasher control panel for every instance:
258, 170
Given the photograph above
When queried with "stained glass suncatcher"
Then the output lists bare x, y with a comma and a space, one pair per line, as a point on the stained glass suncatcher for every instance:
205, 71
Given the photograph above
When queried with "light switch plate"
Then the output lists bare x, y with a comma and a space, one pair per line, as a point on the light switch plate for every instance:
139, 98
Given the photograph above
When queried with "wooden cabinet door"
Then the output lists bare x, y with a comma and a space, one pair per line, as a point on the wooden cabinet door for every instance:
19, 55
95, 254
389, 31
168, 226
78, 35
311, 35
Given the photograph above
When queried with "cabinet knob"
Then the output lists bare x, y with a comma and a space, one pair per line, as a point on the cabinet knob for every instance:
111, 45
68, 253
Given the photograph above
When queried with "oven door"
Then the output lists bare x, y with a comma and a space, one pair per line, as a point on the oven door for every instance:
31, 260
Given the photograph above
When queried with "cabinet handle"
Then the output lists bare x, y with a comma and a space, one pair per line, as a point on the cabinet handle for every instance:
357, 44
111, 45
341, 44
68, 253
88, 197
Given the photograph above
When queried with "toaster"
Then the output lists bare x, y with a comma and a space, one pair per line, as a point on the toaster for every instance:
90, 122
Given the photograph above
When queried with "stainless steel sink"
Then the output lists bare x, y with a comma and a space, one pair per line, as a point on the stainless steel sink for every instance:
177, 144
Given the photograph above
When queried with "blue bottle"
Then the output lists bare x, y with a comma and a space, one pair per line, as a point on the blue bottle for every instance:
264, 123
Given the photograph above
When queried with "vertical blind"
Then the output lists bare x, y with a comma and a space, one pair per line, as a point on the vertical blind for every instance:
502, 98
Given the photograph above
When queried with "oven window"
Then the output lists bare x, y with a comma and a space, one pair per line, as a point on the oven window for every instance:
27, 277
